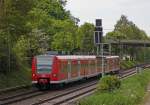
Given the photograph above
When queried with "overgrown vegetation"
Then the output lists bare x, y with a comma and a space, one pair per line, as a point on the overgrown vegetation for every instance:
131, 92
126, 64
109, 84
15, 78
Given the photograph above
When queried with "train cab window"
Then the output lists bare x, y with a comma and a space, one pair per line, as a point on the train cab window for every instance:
44, 64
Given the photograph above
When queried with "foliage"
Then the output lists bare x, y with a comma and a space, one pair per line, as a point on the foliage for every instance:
126, 64
66, 36
7, 56
12, 26
29, 27
131, 92
16, 78
85, 37
109, 83
14, 18
127, 30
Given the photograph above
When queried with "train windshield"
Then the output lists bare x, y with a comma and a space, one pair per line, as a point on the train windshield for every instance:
44, 64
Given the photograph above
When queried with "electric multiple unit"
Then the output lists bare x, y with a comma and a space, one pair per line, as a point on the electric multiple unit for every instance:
55, 69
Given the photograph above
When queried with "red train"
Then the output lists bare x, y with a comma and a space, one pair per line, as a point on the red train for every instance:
55, 69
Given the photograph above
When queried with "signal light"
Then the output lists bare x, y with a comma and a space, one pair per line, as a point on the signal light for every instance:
98, 28
98, 22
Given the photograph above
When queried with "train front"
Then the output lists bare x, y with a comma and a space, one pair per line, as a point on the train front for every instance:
41, 71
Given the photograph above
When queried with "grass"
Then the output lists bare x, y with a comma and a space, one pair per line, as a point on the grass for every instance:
131, 92
15, 78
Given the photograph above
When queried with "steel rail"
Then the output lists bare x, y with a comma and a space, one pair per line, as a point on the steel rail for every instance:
65, 98
27, 95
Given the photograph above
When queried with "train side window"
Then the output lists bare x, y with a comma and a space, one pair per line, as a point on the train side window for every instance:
99, 63
105, 62
74, 66
92, 64
86, 65
96, 64
82, 65
89, 65
63, 66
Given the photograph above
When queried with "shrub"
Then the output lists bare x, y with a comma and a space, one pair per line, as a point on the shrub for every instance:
109, 83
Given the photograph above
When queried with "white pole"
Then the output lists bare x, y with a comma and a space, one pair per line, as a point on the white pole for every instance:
102, 55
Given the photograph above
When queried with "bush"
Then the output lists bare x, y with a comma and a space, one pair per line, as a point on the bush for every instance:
109, 83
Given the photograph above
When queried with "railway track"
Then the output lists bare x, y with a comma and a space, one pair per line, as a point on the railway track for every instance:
72, 97
19, 97
14, 88
57, 97
16, 98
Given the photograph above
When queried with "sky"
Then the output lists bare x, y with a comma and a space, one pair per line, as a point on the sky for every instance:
137, 11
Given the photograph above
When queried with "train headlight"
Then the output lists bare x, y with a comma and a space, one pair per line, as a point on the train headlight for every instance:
54, 75
33, 75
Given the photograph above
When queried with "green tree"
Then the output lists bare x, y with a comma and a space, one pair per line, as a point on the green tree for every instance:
46, 16
129, 29
65, 38
85, 40
126, 30
15, 17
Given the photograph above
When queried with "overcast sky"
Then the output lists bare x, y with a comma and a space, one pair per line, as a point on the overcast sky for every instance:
110, 11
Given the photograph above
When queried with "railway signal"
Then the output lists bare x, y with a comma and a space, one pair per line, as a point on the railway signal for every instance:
98, 32
105, 48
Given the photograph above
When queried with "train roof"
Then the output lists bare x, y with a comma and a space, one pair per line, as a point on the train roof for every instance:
109, 56
83, 57
77, 56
